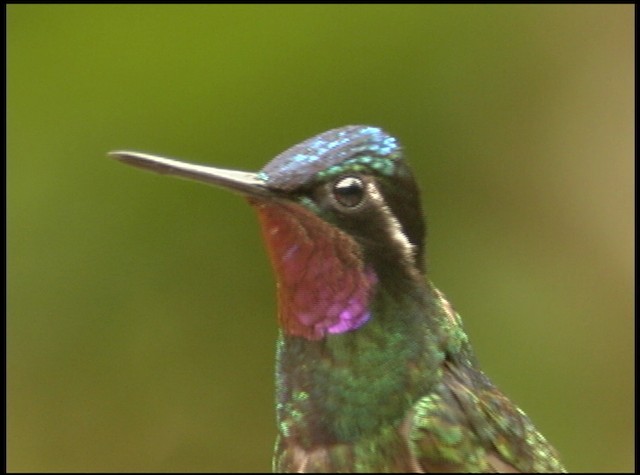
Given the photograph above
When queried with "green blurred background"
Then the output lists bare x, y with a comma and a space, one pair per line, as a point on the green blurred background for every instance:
141, 310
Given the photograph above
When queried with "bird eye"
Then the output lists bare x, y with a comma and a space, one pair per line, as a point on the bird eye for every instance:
349, 191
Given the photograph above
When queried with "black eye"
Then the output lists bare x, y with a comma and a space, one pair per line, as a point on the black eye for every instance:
349, 191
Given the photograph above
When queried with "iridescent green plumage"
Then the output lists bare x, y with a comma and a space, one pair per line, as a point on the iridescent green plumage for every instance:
409, 401
374, 371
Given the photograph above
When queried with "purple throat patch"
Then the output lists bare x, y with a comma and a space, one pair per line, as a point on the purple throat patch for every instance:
323, 284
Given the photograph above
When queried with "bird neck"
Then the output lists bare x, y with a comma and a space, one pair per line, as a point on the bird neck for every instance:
362, 335
351, 385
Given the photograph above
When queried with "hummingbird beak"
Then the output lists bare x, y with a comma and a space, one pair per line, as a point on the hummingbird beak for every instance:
245, 183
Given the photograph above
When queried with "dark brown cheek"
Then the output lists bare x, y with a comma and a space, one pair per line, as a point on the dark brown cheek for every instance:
323, 285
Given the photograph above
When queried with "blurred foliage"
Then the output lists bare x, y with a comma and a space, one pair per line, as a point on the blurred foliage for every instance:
140, 314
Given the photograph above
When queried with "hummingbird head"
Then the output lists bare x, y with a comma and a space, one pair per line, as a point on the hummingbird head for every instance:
341, 217
355, 179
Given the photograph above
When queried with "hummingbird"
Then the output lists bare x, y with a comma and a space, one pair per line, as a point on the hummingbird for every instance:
374, 371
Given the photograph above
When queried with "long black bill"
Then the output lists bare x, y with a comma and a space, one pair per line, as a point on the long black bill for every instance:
245, 183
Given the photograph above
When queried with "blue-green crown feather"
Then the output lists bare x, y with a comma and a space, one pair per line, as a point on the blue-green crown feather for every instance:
363, 147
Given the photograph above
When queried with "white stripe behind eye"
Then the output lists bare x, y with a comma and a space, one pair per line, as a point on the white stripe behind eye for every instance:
396, 232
